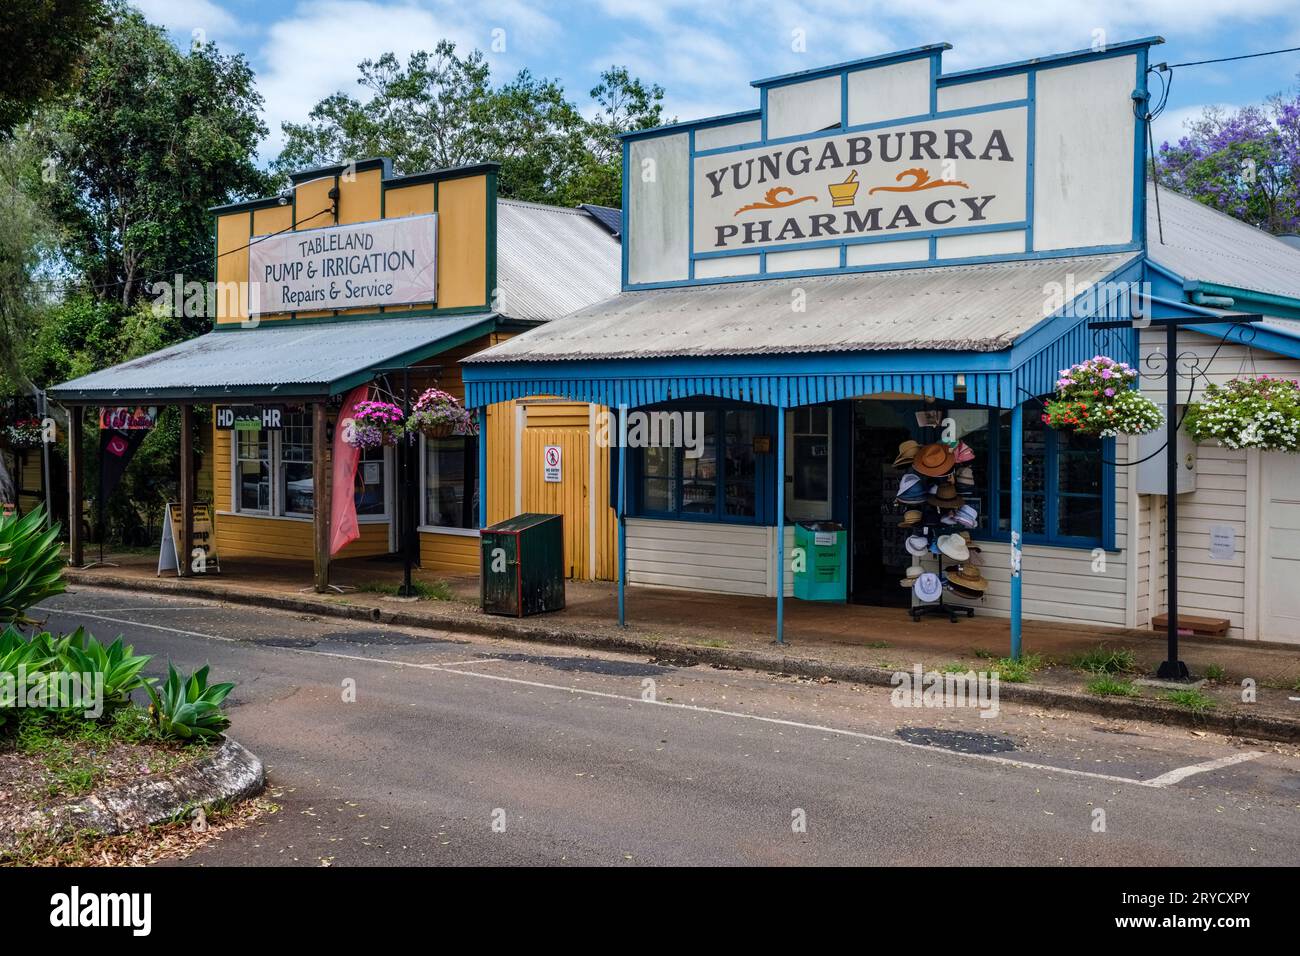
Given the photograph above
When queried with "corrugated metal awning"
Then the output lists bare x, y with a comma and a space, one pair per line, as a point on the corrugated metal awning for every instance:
309, 359
980, 308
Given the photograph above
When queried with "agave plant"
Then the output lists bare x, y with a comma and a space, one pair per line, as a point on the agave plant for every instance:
118, 664
31, 564
17, 656
187, 709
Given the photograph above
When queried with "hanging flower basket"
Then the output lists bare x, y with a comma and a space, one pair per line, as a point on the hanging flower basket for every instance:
437, 414
22, 434
1257, 412
1096, 397
375, 424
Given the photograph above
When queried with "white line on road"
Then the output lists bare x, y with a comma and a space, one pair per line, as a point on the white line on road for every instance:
1160, 782
1182, 773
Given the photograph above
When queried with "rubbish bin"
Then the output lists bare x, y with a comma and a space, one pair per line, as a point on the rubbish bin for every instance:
523, 565
821, 574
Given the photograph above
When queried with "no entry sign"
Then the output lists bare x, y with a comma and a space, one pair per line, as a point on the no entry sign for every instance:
552, 459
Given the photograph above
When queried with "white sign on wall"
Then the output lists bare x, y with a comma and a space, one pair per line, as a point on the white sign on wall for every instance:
552, 462
1223, 542
934, 175
392, 262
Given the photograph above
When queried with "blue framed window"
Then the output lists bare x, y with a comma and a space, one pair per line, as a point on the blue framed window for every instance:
1067, 484
723, 482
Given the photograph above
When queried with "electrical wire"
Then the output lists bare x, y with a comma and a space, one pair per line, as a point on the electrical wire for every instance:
1243, 56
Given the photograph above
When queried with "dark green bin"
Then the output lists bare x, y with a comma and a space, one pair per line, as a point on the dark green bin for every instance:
523, 565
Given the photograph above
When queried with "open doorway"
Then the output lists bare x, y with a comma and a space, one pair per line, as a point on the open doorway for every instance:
879, 557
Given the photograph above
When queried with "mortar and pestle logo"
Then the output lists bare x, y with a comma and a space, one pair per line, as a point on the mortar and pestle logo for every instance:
842, 194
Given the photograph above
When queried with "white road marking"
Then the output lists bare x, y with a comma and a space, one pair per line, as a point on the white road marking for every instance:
1164, 780
1182, 773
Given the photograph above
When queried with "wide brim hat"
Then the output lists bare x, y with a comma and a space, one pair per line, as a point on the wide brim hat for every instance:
934, 460
906, 452
966, 516
965, 536
953, 546
910, 575
928, 588
917, 545
963, 591
968, 576
964, 477
907, 485
946, 496
910, 518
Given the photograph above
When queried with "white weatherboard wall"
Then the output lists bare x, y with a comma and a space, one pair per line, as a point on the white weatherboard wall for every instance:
658, 208
1229, 492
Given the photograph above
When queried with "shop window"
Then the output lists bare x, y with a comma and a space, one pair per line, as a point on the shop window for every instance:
719, 484
370, 486
296, 480
1067, 489
253, 472
450, 482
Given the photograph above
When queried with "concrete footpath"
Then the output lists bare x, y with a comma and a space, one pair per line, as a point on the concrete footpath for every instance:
858, 644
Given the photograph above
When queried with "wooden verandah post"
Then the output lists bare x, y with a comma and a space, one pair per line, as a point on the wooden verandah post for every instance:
322, 478
76, 545
183, 560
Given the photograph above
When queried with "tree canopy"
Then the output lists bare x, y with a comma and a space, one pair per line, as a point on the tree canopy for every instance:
41, 43
441, 109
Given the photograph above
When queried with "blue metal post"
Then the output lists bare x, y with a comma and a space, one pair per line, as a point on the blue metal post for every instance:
1017, 520
780, 525
481, 415
622, 517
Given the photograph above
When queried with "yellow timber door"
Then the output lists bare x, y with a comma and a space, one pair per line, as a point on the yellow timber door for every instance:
555, 478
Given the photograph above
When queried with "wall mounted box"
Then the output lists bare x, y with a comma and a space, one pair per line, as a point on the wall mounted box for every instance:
1151, 473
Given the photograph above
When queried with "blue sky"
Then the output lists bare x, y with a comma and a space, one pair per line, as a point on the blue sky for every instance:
705, 53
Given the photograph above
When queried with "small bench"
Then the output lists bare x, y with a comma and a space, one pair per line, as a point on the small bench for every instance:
1213, 626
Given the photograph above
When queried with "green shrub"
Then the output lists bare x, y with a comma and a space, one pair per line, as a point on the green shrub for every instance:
1018, 672
186, 709
118, 665
1214, 672
31, 564
1192, 700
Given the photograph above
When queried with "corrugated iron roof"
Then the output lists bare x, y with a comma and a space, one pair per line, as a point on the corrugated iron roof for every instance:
971, 307
1204, 245
307, 359
551, 261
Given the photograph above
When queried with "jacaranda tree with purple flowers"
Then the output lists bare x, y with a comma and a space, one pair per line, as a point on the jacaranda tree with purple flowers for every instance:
1244, 163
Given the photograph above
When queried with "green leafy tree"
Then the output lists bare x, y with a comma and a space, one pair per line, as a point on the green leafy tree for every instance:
441, 109
41, 45
149, 139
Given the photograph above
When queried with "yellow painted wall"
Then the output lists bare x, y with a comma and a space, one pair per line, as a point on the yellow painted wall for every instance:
461, 204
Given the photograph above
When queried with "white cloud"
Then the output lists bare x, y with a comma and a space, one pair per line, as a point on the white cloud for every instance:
186, 16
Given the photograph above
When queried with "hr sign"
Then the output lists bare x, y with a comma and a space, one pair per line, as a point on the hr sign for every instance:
899, 181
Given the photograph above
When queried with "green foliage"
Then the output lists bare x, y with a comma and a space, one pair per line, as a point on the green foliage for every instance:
1214, 672
1018, 671
1192, 700
41, 46
425, 590
117, 665
1106, 660
189, 708
31, 564
148, 139
1110, 687
441, 109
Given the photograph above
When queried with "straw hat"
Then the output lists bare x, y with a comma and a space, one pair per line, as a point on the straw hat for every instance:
906, 452
962, 591
947, 497
933, 460
910, 518
909, 577
965, 536
968, 576
965, 478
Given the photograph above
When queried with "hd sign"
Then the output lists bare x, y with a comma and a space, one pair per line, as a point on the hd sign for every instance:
392, 262
930, 176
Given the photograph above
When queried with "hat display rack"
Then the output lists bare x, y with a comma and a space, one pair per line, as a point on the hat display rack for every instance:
933, 507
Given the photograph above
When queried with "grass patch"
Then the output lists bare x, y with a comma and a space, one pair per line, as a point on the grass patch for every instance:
713, 642
876, 644
1192, 700
984, 655
1106, 660
1214, 672
956, 667
1110, 687
424, 590
1018, 672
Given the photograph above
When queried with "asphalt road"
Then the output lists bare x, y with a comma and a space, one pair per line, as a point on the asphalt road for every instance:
468, 750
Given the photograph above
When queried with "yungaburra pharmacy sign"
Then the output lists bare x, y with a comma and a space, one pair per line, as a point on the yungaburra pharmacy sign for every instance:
938, 175
393, 262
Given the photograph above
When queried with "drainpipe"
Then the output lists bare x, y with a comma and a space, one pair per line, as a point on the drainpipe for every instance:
1213, 301
622, 516
780, 524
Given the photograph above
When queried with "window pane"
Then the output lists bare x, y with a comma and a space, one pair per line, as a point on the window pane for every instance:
660, 462
296, 487
740, 426
368, 488
449, 486
699, 497
254, 471
658, 494
740, 499
811, 467
1035, 520
1080, 517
